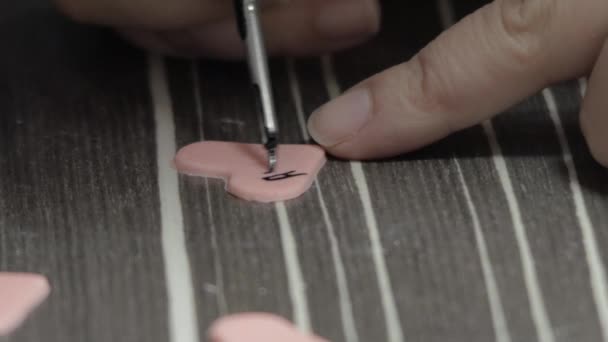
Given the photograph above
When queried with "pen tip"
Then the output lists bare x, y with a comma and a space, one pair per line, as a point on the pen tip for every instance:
271, 146
272, 160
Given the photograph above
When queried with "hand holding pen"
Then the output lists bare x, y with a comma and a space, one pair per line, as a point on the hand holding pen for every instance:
491, 60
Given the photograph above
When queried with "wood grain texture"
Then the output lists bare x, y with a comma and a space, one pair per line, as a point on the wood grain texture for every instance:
555, 238
435, 241
247, 235
79, 201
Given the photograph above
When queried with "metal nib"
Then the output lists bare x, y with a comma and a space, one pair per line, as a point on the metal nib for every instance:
250, 28
271, 147
272, 160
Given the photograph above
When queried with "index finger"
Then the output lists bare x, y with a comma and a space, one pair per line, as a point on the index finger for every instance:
149, 14
509, 50
487, 62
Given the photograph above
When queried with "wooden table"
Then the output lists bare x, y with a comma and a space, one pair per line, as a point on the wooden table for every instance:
497, 233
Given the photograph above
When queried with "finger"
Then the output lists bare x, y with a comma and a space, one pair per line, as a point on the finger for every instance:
594, 113
150, 40
298, 28
149, 14
502, 53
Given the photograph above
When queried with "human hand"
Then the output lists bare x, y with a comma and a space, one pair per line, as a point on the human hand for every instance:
504, 52
208, 27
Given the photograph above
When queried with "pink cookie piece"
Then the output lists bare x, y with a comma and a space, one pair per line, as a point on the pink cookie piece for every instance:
20, 294
257, 327
244, 167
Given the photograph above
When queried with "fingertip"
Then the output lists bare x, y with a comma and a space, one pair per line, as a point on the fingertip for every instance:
373, 121
594, 136
342, 118
593, 116
380, 140
601, 156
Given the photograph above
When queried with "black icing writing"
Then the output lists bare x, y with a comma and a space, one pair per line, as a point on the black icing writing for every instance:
282, 176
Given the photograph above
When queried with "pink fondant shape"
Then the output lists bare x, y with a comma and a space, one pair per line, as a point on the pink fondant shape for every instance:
257, 327
244, 167
20, 294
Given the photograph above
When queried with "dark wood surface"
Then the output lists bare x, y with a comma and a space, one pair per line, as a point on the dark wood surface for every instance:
497, 233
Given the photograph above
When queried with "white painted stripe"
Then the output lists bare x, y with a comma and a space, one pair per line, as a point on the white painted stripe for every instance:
582, 85
183, 324
393, 323
597, 271
198, 101
296, 95
222, 303
446, 13
537, 304
501, 329
295, 277
346, 309
297, 285
331, 81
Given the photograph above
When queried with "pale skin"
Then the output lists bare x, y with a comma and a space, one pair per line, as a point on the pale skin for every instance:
499, 55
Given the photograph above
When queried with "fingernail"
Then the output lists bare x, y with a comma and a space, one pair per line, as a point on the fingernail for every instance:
342, 118
339, 19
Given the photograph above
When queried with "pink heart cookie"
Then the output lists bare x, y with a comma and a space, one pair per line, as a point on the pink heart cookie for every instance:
257, 327
20, 293
244, 167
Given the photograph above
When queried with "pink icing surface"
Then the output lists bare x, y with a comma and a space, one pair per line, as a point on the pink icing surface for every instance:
20, 294
244, 166
257, 327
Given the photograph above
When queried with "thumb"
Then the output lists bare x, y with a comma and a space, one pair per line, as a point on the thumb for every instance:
489, 61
